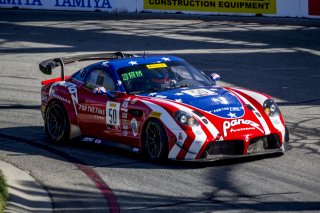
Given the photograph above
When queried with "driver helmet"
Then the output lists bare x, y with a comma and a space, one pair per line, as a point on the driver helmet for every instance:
160, 76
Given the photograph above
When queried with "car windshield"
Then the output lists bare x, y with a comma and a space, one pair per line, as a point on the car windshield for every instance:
161, 76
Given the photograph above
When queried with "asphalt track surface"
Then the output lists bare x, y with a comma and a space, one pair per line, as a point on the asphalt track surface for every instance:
277, 56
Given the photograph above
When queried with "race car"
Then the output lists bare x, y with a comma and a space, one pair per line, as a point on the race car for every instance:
160, 106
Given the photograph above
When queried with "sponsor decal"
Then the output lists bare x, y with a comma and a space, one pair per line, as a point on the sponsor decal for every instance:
224, 6
199, 92
61, 98
96, 112
131, 75
124, 115
125, 124
125, 133
234, 123
113, 113
135, 149
83, 3
124, 109
155, 114
21, 2
220, 100
125, 104
180, 137
97, 141
134, 126
72, 90
86, 139
165, 59
154, 66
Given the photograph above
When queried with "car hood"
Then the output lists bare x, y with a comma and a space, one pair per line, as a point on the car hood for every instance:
213, 99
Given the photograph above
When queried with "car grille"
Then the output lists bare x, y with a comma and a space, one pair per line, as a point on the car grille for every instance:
258, 145
262, 144
219, 148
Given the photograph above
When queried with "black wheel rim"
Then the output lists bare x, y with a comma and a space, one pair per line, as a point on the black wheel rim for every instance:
56, 122
153, 141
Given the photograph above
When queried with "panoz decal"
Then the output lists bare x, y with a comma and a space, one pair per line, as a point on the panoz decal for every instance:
72, 90
229, 124
225, 6
154, 66
113, 113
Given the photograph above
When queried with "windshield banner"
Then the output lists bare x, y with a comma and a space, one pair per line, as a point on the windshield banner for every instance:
223, 6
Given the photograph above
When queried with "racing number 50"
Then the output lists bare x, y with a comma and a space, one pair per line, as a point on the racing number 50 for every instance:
113, 113
112, 116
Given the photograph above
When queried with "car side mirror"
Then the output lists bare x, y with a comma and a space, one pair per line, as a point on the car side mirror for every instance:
214, 77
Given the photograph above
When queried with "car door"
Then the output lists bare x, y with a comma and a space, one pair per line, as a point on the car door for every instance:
99, 114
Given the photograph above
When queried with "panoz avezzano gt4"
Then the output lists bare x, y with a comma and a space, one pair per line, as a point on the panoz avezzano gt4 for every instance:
160, 106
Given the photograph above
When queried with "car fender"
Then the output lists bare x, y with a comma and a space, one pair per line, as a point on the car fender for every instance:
66, 94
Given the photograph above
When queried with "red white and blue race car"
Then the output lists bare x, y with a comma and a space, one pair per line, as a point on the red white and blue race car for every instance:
160, 106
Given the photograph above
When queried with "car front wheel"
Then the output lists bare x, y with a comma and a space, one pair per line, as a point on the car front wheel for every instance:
155, 141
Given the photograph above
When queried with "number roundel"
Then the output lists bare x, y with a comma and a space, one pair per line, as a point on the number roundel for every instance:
113, 113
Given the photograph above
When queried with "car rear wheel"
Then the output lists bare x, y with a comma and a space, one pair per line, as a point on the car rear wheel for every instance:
57, 124
155, 141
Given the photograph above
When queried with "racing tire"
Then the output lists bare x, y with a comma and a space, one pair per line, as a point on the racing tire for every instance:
57, 125
155, 141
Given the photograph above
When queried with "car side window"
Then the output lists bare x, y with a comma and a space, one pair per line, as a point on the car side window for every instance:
100, 78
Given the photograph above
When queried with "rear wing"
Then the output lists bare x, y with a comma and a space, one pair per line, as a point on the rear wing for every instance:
47, 65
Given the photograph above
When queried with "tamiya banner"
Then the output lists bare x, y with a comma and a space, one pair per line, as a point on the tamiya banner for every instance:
218, 6
80, 5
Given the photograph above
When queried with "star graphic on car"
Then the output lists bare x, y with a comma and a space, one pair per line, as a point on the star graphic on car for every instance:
133, 62
215, 99
165, 59
232, 115
179, 93
152, 94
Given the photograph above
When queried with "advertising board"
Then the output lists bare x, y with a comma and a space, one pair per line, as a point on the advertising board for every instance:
217, 6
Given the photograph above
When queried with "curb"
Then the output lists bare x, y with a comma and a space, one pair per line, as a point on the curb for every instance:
25, 193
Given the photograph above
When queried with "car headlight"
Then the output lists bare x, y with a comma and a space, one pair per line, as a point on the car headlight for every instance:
185, 118
271, 108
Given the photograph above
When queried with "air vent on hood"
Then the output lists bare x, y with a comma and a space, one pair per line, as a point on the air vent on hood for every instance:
250, 107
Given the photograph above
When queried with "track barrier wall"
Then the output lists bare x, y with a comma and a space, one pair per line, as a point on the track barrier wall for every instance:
276, 8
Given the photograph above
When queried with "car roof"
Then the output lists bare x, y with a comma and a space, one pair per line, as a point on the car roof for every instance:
124, 62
